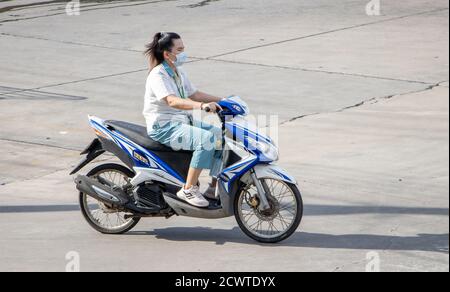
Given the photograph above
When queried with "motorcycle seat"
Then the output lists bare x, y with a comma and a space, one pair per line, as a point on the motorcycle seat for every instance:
138, 134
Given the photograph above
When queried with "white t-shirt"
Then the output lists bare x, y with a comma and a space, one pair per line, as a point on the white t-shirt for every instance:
158, 86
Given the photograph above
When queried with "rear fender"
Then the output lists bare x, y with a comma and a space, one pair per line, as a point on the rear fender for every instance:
94, 150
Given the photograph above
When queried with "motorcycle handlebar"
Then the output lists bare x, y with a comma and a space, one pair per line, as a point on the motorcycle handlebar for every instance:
208, 110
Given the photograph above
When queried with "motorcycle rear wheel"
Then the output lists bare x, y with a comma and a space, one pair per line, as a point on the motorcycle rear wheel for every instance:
105, 219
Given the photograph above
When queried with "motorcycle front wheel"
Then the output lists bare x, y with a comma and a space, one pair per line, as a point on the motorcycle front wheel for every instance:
277, 223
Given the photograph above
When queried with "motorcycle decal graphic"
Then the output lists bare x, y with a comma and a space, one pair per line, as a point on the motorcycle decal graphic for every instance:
141, 157
229, 175
243, 133
130, 147
281, 175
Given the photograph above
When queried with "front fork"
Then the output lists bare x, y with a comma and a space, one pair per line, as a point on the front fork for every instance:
262, 188
263, 191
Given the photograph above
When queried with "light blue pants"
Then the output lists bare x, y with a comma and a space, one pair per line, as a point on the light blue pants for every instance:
205, 140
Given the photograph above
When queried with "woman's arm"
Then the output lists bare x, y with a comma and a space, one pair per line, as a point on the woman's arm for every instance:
183, 103
204, 97
189, 104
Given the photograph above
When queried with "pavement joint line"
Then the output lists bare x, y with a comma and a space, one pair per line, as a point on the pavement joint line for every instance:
214, 58
90, 79
54, 3
76, 81
359, 104
87, 79
30, 94
100, 8
330, 31
28, 18
44, 145
128, 5
47, 174
19, 7
33, 178
197, 59
70, 43
320, 71
249, 48
86, 44
40, 144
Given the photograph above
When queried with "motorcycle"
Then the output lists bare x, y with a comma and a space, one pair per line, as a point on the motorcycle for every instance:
264, 198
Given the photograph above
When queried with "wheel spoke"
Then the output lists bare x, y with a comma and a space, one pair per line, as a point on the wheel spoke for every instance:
102, 215
275, 221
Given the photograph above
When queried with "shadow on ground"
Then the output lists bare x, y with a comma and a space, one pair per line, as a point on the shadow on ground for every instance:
310, 210
421, 242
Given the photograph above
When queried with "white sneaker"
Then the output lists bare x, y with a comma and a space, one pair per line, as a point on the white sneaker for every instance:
193, 197
210, 192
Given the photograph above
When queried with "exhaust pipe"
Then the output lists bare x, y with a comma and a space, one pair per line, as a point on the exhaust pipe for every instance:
101, 192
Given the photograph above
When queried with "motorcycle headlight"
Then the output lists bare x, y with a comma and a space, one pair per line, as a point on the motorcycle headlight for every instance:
269, 152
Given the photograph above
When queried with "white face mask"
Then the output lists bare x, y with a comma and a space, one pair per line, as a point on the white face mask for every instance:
181, 58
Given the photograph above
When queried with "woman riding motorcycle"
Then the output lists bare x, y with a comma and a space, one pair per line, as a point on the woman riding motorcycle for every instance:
168, 98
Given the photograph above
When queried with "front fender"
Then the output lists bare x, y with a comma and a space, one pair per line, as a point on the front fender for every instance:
274, 172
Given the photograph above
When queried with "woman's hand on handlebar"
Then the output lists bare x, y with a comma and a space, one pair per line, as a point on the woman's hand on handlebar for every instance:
212, 107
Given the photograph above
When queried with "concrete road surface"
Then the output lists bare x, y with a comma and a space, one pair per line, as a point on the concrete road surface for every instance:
363, 111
